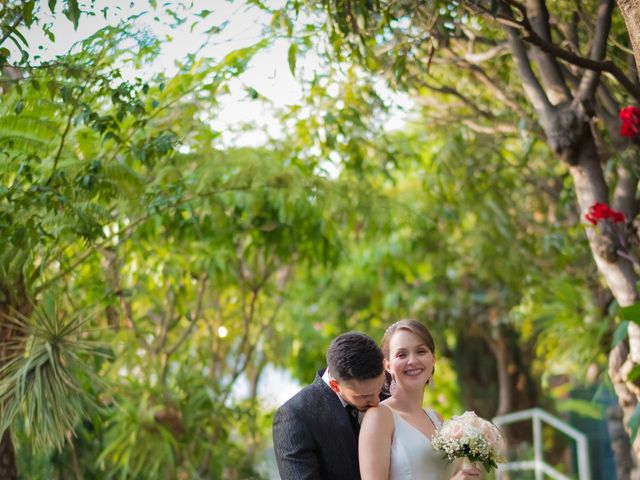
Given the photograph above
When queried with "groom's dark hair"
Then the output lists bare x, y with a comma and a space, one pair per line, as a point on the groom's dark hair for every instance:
354, 355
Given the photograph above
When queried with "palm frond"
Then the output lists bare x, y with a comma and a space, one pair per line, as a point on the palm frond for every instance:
25, 132
122, 174
92, 210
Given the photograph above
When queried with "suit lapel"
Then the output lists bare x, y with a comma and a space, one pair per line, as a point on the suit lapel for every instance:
337, 413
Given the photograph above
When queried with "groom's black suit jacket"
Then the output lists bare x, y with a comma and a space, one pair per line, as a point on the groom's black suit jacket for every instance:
313, 437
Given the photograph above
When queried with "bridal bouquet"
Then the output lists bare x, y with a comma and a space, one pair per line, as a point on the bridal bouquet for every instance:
471, 437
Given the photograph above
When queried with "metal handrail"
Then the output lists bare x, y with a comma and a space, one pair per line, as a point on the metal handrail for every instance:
541, 468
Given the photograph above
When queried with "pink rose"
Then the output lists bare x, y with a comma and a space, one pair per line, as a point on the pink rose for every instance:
490, 435
456, 431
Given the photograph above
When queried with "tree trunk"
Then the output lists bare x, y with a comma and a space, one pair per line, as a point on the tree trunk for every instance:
16, 302
495, 372
619, 274
631, 13
8, 469
111, 265
254, 373
617, 417
505, 398
568, 133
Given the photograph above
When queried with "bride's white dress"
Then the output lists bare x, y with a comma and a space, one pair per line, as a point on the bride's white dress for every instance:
412, 457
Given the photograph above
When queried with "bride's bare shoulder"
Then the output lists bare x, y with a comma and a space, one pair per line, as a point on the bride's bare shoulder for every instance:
381, 413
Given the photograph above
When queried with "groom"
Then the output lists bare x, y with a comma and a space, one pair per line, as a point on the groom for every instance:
315, 433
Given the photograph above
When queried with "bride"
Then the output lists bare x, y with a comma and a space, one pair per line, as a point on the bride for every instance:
394, 441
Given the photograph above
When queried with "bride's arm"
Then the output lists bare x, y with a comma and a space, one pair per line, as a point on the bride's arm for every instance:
374, 447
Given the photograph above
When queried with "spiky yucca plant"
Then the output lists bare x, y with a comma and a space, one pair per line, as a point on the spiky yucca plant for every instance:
48, 384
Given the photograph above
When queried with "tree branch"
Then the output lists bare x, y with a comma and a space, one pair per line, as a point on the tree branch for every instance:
532, 87
487, 81
246, 345
624, 195
489, 130
477, 58
591, 64
76, 104
452, 91
11, 29
550, 73
264, 326
589, 82
605, 66
165, 323
609, 103
187, 331
56, 159
530, 36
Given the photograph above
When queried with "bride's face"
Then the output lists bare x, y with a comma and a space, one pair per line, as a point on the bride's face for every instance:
410, 360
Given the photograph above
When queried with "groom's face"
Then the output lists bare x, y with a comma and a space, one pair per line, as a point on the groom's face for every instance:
362, 394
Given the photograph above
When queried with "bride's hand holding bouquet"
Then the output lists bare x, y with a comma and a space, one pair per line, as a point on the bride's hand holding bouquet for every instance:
472, 438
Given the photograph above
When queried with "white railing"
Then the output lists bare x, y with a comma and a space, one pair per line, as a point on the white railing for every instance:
538, 465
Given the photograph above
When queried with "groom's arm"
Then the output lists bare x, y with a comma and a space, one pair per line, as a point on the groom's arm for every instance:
295, 449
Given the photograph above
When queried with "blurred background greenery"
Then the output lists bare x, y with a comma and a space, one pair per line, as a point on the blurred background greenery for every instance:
166, 279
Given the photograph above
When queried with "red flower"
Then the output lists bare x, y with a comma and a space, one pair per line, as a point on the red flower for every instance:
601, 211
630, 117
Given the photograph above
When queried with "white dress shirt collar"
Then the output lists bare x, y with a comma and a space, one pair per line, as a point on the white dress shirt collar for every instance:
325, 378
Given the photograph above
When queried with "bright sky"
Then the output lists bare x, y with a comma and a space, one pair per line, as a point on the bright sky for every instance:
269, 72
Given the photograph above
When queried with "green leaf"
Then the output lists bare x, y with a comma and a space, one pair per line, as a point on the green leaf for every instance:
634, 374
52, 87
634, 423
20, 37
19, 106
631, 313
73, 13
52, 5
65, 93
27, 11
238, 60
291, 57
253, 93
620, 333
